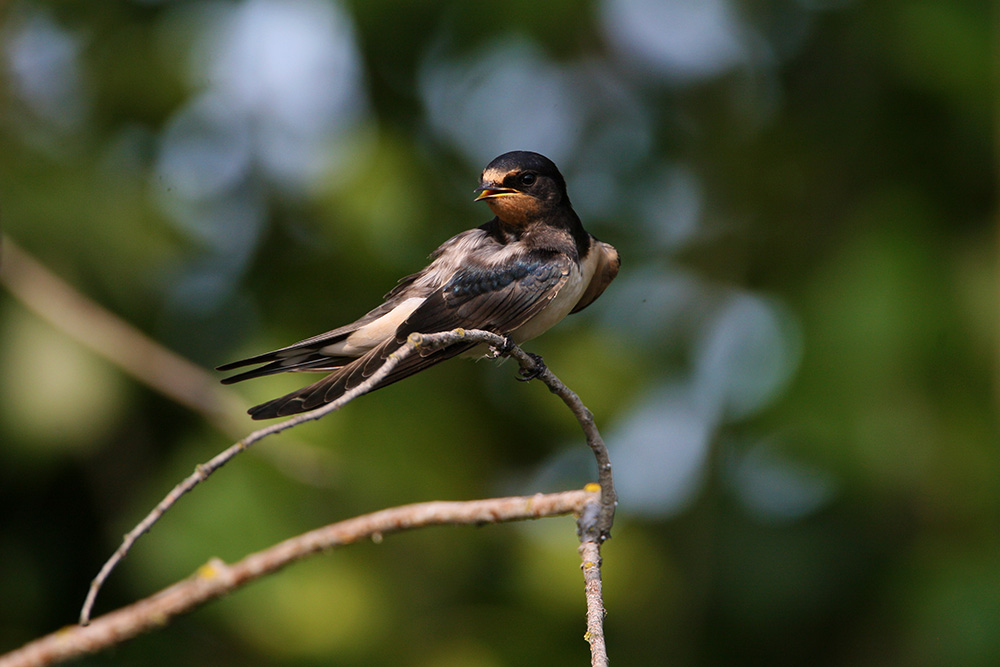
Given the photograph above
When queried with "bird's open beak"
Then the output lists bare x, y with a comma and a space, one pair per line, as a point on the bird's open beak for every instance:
492, 191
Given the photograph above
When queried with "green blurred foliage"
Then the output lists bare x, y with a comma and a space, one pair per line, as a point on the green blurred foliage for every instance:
842, 172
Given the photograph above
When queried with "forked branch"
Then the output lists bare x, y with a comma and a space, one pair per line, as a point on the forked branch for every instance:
597, 530
216, 578
38, 288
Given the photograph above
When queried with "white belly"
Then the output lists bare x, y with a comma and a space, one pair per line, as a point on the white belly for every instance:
373, 333
558, 308
576, 284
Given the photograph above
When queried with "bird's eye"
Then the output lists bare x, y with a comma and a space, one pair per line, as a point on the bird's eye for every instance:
527, 178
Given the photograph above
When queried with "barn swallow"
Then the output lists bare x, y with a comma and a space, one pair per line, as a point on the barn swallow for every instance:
517, 276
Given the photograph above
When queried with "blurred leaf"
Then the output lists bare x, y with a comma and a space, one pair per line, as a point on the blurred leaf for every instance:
59, 397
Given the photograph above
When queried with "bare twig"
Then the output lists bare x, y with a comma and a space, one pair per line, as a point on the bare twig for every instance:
216, 578
590, 556
601, 528
116, 340
415, 341
203, 471
60, 304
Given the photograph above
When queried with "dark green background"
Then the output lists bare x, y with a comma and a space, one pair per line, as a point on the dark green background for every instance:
796, 369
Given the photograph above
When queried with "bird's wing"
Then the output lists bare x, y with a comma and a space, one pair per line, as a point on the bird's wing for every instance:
333, 349
498, 298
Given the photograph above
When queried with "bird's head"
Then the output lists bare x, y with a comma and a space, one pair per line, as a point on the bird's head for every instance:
522, 186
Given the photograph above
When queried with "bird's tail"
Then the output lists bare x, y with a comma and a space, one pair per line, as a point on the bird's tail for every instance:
342, 380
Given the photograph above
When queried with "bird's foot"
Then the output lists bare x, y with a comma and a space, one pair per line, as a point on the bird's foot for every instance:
524, 375
501, 351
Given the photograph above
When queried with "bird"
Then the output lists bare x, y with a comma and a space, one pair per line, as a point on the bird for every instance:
517, 276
